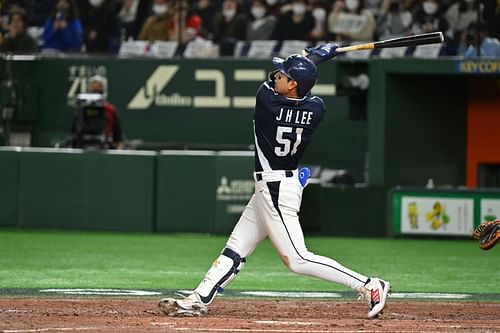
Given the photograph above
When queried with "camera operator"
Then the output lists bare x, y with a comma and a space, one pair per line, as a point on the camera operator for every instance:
109, 129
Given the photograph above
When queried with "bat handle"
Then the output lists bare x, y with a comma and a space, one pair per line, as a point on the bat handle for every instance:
367, 46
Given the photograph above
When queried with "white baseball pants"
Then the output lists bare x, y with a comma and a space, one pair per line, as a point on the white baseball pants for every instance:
273, 212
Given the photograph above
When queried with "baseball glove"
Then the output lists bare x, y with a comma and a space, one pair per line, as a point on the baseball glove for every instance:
488, 234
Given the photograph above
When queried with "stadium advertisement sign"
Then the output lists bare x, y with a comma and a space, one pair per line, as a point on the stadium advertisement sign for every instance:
478, 67
442, 212
437, 215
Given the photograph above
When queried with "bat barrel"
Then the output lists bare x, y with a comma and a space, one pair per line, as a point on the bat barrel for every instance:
421, 39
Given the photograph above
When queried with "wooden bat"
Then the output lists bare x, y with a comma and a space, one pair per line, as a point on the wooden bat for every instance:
421, 39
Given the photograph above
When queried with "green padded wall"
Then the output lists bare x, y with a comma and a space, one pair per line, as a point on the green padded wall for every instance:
425, 130
95, 191
355, 212
9, 186
235, 187
185, 200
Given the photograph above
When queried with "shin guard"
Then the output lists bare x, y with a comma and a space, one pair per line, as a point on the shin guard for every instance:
222, 272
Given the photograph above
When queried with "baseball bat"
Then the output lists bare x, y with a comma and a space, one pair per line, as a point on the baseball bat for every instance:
421, 39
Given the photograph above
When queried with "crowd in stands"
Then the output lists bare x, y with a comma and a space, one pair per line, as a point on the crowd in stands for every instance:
102, 26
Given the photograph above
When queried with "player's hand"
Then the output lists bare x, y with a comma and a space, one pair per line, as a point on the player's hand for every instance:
322, 52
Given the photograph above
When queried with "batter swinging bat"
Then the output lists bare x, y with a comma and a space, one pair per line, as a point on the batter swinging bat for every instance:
421, 39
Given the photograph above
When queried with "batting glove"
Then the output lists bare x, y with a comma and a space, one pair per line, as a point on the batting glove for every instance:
322, 52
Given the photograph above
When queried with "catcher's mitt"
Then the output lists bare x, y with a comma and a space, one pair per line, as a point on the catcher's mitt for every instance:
488, 234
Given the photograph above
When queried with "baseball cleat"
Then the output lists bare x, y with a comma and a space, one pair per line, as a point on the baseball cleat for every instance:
190, 306
375, 292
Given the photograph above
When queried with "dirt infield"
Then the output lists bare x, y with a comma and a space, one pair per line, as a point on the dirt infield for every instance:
233, 315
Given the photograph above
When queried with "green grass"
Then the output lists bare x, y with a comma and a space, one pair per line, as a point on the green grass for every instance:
52, 259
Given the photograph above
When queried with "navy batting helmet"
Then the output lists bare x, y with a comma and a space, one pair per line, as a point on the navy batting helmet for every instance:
300, 69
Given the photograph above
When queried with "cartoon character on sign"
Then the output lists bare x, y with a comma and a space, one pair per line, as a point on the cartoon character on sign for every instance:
437, 217
413, 215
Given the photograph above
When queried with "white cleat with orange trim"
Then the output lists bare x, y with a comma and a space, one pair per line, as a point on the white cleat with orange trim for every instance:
375, 291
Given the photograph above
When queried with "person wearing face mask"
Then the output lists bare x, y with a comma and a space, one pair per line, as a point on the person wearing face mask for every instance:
229, 26
101, 27
156, 26
319, 13
262, 25
350, 21
394, 20
296, 23
429, 18
63, 30
110, 133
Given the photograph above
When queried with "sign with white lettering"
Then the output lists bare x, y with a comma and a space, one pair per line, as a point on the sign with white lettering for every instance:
349, 23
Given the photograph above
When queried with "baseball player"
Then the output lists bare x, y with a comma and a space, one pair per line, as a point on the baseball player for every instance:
285, 119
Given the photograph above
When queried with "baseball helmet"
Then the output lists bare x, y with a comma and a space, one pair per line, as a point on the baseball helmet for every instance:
300, 69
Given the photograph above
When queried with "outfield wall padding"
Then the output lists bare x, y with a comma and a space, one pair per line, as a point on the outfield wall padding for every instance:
72, 189
9, 186
202, 191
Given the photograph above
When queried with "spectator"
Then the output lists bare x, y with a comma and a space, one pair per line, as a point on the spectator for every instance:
63, 30
295, 24
101, 27
111, 131
17, 40
262, 25
206, 10
394, 21
351, 21
127, 17
229, 26
319, 14
489, 46
156, 26
491, 16
460, 15
428, 18
185, 23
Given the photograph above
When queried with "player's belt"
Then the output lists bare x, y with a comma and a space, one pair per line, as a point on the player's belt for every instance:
288, 174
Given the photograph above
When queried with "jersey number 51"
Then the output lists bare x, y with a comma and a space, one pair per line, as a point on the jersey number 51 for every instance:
285, 143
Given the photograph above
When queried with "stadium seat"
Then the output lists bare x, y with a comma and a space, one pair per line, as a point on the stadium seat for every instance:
163, 49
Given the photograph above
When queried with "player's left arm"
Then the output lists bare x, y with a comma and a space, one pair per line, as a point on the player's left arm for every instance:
321, 52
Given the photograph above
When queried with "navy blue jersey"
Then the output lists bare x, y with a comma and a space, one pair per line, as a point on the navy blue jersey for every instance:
283, 127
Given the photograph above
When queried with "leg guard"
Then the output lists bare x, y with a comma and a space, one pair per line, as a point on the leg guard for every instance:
222, 272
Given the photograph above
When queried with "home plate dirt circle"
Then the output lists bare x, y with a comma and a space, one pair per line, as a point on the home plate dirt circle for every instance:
19, 315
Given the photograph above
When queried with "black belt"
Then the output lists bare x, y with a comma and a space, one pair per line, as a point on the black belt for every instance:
288, 174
